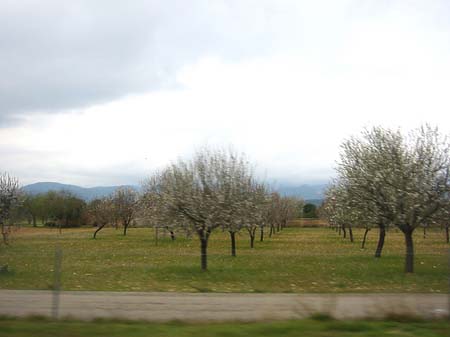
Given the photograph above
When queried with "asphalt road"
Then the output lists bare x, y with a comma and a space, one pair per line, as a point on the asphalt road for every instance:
87, 305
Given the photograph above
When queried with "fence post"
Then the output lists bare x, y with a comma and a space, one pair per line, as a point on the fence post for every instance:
56, 282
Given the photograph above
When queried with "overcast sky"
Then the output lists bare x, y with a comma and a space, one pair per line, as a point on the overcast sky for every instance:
103, 92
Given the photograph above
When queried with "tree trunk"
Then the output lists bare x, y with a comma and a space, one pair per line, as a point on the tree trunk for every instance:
98, 230
278, 227
252, 240
364, 238
125, 227
172, 235
233, 243
271, 231
188, 233
5, 238
447, 235
409, 261
350, 232
380, 241
424, 232
203, 248
34, 220
4, 234
261, 238
344, 231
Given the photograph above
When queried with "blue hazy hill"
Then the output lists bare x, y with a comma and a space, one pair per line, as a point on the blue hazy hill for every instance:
310, 192
85, 193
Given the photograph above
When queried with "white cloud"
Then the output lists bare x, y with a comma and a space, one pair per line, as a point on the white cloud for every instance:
289, 108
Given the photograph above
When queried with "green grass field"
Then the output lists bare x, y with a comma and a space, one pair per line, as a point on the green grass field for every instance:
294, 260
310, 328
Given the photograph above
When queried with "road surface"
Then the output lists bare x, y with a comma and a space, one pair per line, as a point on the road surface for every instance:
85, 305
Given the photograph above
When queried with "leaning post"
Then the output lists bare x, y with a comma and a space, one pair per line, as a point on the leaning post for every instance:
56, 282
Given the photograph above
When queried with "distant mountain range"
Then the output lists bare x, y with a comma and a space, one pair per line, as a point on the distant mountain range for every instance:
312, 193
85, 193
307, 192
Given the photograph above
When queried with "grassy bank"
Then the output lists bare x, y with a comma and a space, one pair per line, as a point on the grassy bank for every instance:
294, 260
311, 328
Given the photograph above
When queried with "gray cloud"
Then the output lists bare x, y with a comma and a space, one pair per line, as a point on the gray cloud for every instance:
319, 71
61, 55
